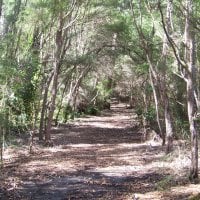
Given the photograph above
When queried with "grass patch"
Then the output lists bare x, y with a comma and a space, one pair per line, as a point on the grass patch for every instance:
196, 197
165, 183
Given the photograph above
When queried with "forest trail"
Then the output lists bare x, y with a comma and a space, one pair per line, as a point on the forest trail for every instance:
96, 157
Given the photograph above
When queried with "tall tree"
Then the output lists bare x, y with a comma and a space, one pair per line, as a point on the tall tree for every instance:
188, 71
164, 88
62, 43
158, 65
190, 59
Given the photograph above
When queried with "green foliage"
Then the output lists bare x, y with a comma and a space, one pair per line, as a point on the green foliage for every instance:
92, 110
118, 26
182, 129
165, 183
103, 91
68, 113
150, 115
195, 197
139, 111
19, 64
142, 68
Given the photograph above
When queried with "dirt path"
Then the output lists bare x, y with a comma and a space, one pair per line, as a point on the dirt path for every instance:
94, 158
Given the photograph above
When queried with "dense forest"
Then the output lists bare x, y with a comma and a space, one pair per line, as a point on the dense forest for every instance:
64, 59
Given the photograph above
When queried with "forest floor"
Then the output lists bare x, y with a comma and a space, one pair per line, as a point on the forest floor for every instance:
98, 157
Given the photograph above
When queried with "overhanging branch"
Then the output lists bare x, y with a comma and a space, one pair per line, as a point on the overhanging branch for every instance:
171, 42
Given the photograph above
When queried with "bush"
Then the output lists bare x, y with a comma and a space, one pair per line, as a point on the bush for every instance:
139, 111
182, 129
165, 183
92, 110
68, 113
150, 115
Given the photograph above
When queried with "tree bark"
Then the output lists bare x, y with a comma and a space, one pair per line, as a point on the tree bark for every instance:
188, 64
44, 107
2, 134
61, 101
164, 90
190, 58
62, 43
1, 5
52, 103
78, 82
56, 69
156, 100
168, 124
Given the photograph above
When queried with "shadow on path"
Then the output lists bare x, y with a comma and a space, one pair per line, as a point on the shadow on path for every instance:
92, 158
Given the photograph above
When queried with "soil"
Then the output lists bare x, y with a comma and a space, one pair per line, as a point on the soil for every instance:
98, 157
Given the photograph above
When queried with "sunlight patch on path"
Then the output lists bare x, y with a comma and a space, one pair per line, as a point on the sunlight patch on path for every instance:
84, 145
106, 122
124, 170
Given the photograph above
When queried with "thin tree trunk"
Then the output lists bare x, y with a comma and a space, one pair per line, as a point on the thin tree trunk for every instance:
164, 90
168, 124
44, 107
144, 119
193, 130
61, 103
62, 43
157, 107
77, 85
1, 5
56, 69
67, 80
1, 147
52, 103
153, 72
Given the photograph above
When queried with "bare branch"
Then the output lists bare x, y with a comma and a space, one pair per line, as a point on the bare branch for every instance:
71, 9
172, 43
72, 21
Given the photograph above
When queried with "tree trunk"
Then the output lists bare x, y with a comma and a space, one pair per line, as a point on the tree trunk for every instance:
164, 90
157, 107
1, 5
44, 107
168, 124
190, 58
58, 54
52, 103
193, 130
153, 71
77, 86
61, 102
62, 43
144, 119
189, 76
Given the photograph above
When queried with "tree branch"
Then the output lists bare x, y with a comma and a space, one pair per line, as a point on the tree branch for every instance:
172, 43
